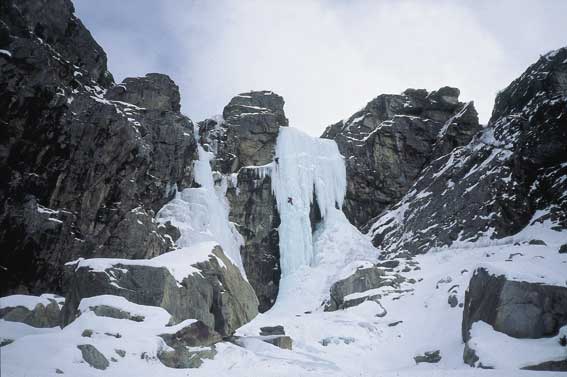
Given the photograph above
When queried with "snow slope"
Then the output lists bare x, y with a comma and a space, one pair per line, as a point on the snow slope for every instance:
361, 342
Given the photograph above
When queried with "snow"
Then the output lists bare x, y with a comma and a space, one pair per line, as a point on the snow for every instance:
201, 214
29, 302
304, 166
57, 348
5, 52
358, 341
155, 314
501, 351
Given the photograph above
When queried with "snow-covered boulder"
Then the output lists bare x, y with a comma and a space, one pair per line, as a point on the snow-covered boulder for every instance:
189, 346
191, 283
517, 309
491, 349
361, 286
36, 311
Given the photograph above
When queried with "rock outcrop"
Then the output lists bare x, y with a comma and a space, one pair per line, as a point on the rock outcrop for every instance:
85, 164
363, 281
389, 142
217, 295
253, 208
247, 133
492, 187
155, 91
243, 142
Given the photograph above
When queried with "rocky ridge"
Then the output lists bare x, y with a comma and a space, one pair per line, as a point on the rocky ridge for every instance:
510, 174
86, 163
392, 139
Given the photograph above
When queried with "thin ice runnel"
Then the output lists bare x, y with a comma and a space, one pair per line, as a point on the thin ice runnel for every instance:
304, 166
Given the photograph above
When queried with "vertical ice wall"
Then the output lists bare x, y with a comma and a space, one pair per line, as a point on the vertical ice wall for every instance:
304, 166
201, 214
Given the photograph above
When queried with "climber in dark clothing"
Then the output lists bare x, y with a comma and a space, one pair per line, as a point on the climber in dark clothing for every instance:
277, 160
290, 200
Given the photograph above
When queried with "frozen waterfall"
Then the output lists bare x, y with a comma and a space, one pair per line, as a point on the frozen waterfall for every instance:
304, 167
201, 214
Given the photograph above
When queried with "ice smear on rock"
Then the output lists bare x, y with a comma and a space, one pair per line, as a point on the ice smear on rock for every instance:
303, 167
201, 214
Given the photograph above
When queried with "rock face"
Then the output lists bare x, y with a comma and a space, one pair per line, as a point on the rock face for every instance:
84, 169
253, 121
389, 142
493, 186
253, 208
218, 296
518, 309
247, 133
243, 141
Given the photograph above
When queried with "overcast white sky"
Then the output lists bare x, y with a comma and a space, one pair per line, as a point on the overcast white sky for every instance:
327, 58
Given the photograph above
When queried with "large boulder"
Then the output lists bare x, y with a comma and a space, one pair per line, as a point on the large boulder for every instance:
517, 308
83, 174
215, 294
389, 142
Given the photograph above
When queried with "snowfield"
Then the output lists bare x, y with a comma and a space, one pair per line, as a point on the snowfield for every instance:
371, 339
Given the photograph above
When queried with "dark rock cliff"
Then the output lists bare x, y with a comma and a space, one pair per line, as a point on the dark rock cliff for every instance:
389, 142
85, 164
